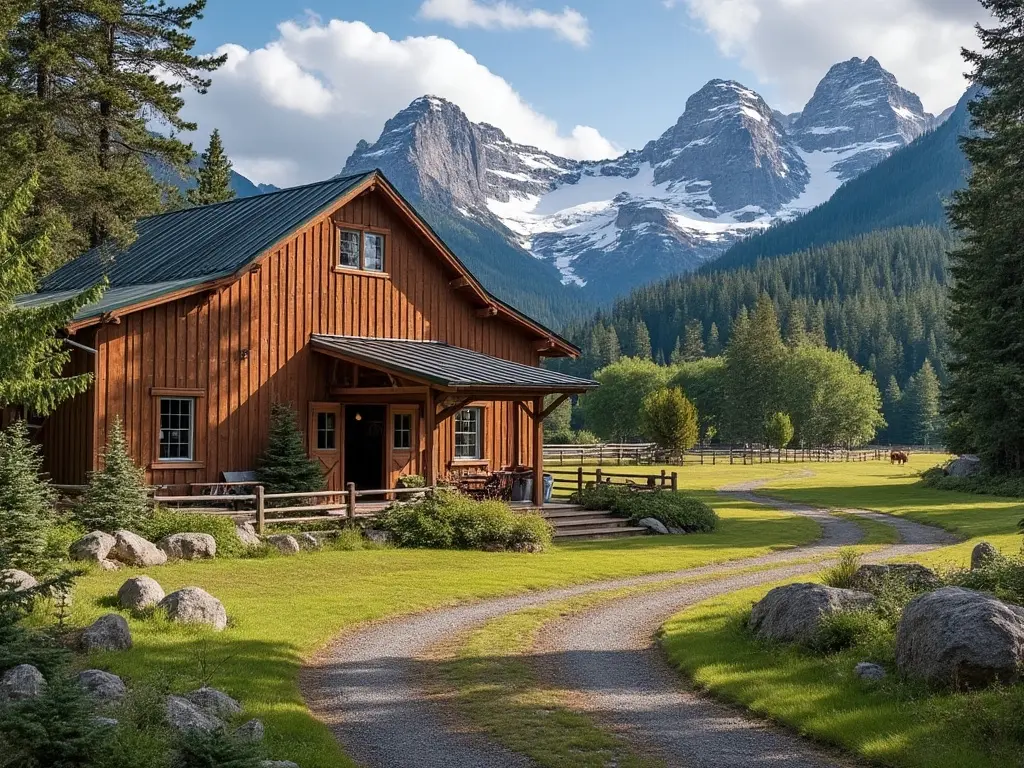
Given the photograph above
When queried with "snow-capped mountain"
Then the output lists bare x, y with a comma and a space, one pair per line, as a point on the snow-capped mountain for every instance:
728, 167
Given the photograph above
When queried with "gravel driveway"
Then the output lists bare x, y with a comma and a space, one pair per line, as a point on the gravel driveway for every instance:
365, 687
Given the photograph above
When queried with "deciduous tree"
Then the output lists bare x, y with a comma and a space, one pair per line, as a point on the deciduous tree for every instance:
613, 410
669, 419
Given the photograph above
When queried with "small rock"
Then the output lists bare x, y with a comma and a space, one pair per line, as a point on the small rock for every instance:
278, 764
653, 525
983, 554
192, 605
107, 633
285, 544
102, 686
110, 565
17, 580
865, 670
959, 638
139, 593
913, 575
251, 731
378, 536
105, 722
791, 613
188, 546
21, 682
677, 531
528, 547
215, 703
964, 466
183, 715
247, 534
132, 549
308, 541
94, 547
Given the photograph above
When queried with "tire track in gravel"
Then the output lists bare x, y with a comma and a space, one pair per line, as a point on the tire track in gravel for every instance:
365, 686
608, 661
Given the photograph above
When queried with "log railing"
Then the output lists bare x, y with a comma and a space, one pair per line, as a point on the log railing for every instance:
567, 481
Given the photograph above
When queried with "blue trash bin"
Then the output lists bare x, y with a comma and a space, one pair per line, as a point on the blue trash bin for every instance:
549, 486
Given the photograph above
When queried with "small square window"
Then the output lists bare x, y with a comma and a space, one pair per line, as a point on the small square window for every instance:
402, 432
177, 428
326, 431
348, 249
469, 434
373, 252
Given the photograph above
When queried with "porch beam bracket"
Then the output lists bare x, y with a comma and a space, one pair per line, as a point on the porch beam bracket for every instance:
526, 408
557, 402
488, 311
451, 410
459, 282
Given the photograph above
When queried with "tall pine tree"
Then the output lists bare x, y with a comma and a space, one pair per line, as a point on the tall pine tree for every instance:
693, 344
214, 175
984, 404
922, 405
26, 500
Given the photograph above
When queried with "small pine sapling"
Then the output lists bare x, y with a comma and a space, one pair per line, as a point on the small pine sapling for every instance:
26, 499
117, 496
285, 467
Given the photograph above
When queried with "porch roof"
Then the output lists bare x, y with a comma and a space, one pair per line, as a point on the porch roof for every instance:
448, 367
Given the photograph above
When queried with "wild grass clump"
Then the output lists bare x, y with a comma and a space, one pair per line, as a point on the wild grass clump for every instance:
449, 520
840, 575
164, 522
1003, 576
673, 509
852, 629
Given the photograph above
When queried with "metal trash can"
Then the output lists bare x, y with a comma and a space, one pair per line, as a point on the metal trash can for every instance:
522, 487
549, 486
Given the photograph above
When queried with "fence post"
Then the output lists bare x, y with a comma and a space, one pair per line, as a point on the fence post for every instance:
260, 510
675, 481
597, 474
579, 478
350, 507
663, 478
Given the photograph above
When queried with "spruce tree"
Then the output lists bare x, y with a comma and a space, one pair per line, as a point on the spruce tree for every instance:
117, 496
26, 499
693, 345
892, 409
677, 355
214, 175
285, 467
984, 406
796, 331
639, 342
714, 345
922, 405
754, 360
32, 356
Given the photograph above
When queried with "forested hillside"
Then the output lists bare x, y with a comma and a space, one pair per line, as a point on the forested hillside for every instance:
909, 188
879, 297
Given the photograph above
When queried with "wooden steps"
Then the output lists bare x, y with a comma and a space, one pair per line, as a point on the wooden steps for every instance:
572, 522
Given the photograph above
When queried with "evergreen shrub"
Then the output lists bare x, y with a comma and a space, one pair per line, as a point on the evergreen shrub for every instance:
285, 467
117, 496
26, 500
674, 509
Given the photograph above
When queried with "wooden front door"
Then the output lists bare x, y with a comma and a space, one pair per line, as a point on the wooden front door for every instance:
403, 442
325, 441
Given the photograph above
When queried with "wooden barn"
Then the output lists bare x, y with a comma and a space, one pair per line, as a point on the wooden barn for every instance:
336, 297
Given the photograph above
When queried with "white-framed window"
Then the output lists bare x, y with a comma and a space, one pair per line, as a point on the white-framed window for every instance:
402, 432
469, 433
326, 431
177, 428
361, 250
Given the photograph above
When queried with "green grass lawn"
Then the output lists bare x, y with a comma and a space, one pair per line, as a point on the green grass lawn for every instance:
283, 610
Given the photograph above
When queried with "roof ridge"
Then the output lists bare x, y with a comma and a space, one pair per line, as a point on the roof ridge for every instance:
332, 180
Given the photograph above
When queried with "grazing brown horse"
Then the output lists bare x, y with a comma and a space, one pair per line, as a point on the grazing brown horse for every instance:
898, 457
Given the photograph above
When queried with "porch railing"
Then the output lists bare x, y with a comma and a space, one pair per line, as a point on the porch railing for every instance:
567, 481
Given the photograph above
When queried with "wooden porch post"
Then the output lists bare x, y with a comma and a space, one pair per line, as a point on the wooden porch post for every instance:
538, 452
430, 417
517, 433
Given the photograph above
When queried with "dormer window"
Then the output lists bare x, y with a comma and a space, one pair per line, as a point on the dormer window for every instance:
360, 250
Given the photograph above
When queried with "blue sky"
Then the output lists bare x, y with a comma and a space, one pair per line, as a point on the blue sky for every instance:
306, 79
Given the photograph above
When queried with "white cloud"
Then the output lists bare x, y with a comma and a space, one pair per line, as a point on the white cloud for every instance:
570, 25
792, 43
293, 110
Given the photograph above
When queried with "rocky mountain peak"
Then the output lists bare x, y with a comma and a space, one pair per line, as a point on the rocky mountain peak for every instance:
858, 102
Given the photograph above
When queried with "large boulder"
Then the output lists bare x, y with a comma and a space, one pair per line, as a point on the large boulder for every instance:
132, 549
192, 605
188, 546
17, 580
983, 554
247, 535
959, 638
21, 682
183, 715
140, 593
285, 544
653, 525
251, 731
964, 466
103, 687
107, 633
215, 703
791, 613
93, 547
870, 577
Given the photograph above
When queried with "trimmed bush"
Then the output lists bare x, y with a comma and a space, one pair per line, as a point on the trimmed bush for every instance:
164, 522
674, 509
449, 520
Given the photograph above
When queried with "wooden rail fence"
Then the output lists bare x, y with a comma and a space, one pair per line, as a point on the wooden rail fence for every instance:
622, 454
567, 481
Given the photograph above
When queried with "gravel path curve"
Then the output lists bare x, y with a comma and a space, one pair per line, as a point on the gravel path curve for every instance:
365, 686
608, 660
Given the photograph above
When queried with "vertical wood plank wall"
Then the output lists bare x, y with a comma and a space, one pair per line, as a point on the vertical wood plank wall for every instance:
245, 345
68, 432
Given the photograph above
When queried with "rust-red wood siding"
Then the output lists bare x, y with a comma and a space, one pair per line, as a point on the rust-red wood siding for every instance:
245, 346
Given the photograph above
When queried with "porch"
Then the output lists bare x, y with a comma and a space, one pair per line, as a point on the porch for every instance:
402, 407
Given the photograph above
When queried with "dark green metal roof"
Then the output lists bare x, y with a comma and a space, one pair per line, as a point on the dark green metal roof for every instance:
112, 299
201, 243
448, 366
